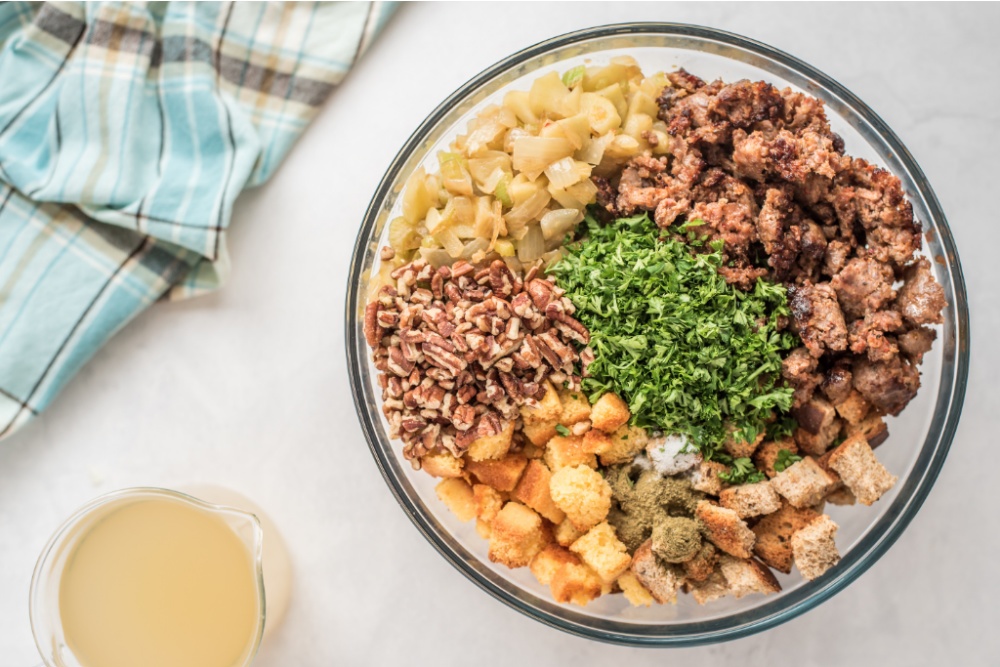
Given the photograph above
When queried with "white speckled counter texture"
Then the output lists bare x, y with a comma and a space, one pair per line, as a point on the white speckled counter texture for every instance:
248, 388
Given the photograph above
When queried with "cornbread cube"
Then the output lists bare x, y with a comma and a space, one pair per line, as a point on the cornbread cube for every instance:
700, 567
804, 483
609, 413
854, 408
814, 547
712, 588
582, 494
626, 442
548, 561
603, 552
749, 500
517, 535
533, 491
488, 502
662, 581
863, 474
533, 451
575, 407
636, 594
705, 477
492, 447
725, 529
746, 576
739, 449
596, 442
567, 451
539, 433
483, 529
871, 428
502, 475
774, 535
549, 408
767, 454
576, 583
442, 464
566, 533
456, 494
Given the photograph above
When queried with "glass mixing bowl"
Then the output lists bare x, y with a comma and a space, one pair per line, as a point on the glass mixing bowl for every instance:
920, 436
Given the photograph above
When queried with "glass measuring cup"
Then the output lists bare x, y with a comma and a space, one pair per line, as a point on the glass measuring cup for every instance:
46, 613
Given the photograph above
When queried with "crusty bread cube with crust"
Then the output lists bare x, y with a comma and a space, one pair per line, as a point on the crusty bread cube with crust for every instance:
533, 491
456, 494
661, 580
817, 443
596, 441
872, 428
774, 535
502, 475
603, 552
814, 547
441, 464
746, 576
749, 500
767, 454
863, 474
577, 584
517, 535
854, 408
566, 533
609, 413
488, 502
549, 408
548, 561
738, 448
583, 494
575, 407
705, 477
626, 442
636, 594
712, 588
492, 447
725, 529
700, 567
566, 451
539, 433
804, 483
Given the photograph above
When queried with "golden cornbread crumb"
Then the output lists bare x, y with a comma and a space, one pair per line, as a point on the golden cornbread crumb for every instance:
483, 529
609, 413
582, 494
442, 464
634, 591
517, 535
577, 584
488, 502
626, 442
533, 491
456, 494
548, 561
549, 407
539, 433
596, 441
502, 475
492, 447
566, 533
575, 407
603, 552
565, 451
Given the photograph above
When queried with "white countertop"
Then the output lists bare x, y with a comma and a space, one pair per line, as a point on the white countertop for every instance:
248, 388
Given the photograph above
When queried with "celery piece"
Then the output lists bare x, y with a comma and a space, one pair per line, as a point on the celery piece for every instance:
573, 76
501, 192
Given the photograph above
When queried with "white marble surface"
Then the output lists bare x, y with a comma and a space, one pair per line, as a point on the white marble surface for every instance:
247, 387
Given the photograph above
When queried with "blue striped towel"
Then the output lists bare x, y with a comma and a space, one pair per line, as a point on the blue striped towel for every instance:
126, 132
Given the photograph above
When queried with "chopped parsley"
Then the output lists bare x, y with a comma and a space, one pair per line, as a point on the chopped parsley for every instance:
742, 471
562, 430
784, 460
689, 353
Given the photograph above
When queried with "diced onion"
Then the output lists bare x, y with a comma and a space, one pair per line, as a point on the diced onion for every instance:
557, 223
593, 153
532, 246
567, 171
518, 217
533, 154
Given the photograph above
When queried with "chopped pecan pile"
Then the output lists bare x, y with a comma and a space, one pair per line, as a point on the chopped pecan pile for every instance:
461, 348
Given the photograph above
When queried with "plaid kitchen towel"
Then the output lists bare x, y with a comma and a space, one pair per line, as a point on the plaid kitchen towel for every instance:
126, 132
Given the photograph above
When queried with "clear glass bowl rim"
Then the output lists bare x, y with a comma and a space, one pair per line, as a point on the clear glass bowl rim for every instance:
864, 554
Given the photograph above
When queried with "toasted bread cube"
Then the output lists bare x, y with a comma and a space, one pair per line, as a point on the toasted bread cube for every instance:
700, 567
662, 581
804, 483
863, 474
854, 408
549, 408
626, 442
596, 442
740, 449
814, 547
567, 451
815, 415
841, 496
492, 447
456, 494
582, 494
502, 475
566, 533
548, 562
539, 433
442, 464
817, 443
767, 454
603, 552
774, 535
725, 529
609, 413
577, 584
488, 502
575, 407
636, 594
518, 534
533, 491
483, 529
872, 428
746, 576
749, 500
712, 588
705, 477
